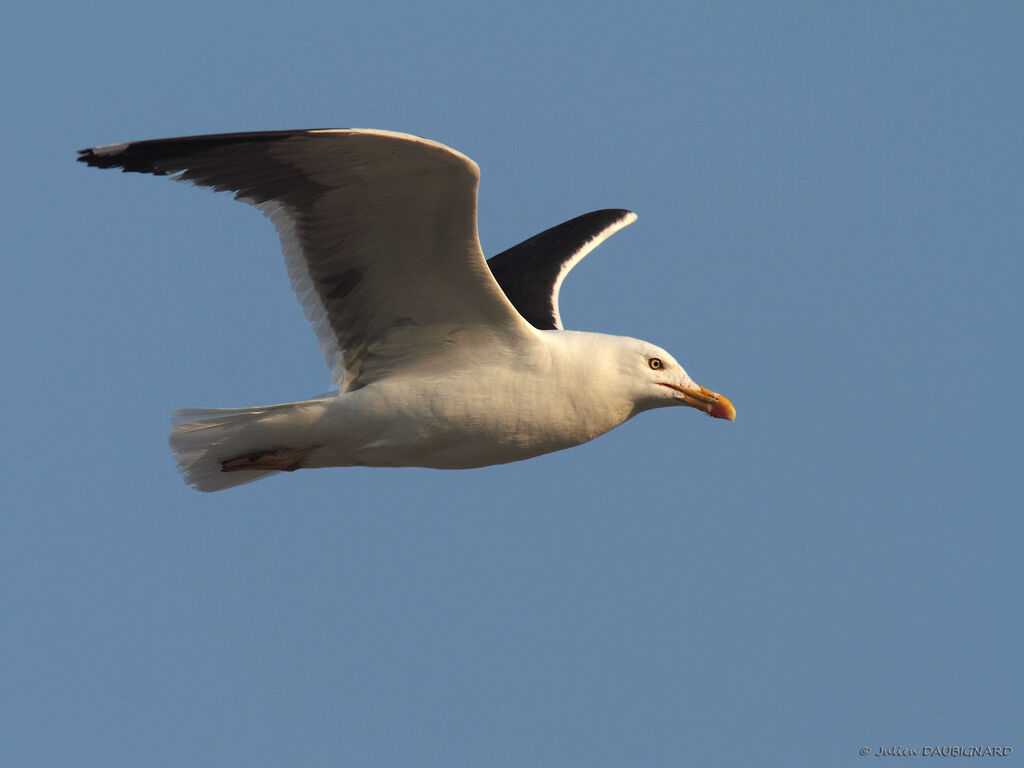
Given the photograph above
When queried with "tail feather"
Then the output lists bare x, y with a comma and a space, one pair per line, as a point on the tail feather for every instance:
204, 438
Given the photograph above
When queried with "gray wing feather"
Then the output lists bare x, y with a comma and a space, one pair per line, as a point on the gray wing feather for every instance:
378, 229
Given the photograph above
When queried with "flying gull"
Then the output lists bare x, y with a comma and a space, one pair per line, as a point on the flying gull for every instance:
440, 358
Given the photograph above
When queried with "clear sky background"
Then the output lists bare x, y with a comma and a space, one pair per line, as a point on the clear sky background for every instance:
830, 199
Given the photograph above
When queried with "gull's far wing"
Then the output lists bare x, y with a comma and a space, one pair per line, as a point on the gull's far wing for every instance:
532, 272
378, 230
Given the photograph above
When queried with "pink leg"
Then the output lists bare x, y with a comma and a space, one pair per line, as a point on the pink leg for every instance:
283, 459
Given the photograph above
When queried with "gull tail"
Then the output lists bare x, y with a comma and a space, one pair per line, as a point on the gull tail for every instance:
218, 448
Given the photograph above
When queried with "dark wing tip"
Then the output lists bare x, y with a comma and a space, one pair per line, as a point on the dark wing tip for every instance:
117, 156
146, 156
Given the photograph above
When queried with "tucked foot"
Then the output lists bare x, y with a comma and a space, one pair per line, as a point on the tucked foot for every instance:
283, 459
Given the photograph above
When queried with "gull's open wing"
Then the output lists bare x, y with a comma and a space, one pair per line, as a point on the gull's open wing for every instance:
378, 230
532, 272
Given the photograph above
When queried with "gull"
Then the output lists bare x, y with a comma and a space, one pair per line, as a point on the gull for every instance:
438, 357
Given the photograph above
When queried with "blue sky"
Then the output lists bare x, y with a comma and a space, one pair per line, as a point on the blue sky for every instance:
830, 233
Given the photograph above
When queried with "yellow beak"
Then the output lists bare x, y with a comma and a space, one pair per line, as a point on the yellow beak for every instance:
712, 403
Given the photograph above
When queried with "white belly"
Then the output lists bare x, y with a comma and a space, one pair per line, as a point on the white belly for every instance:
458, 422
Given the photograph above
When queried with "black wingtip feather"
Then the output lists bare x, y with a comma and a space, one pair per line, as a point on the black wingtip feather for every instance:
145, 156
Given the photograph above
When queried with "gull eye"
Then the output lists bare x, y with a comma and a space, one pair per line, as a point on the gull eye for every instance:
655, 363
